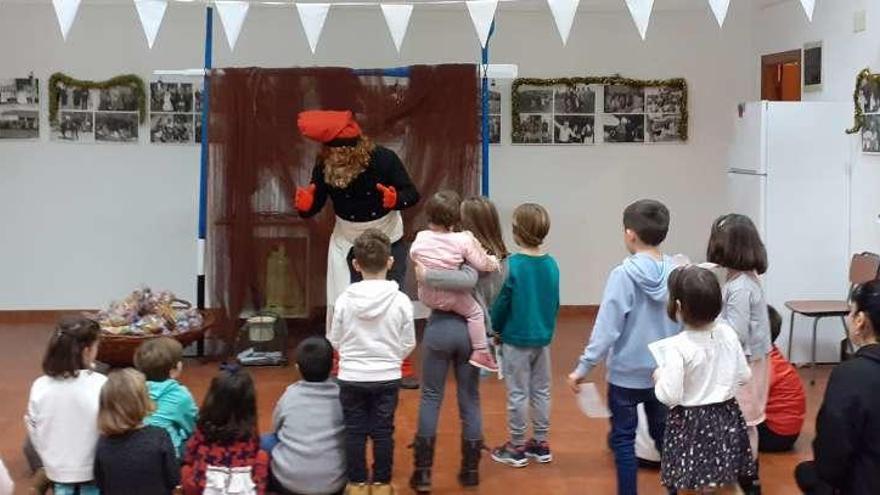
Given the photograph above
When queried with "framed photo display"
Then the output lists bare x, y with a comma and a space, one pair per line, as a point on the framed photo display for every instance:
867, 111
108, 111
20, 108
175, 112
592, 110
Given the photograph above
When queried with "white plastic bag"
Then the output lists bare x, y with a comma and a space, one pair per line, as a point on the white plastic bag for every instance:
229, 481
591, 403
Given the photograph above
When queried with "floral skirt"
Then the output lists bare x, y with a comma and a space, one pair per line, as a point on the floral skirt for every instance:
705, 446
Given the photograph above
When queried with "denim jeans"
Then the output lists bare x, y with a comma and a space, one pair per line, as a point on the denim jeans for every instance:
623, 403
368, 409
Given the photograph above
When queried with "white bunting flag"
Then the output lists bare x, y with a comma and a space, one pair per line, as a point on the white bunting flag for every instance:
719, 8
312, 17
65, 10
151, 13
641, 14
482, 14
397, 17
809, 8
563, 13
232, 15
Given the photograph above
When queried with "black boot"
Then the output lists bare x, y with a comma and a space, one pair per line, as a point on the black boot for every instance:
423, 455
751, 485
471, 450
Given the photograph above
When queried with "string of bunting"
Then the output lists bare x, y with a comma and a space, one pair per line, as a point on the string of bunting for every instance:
59, 80
864, 77
677, 83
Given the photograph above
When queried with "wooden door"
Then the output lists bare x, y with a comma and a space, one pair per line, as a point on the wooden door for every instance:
781, 76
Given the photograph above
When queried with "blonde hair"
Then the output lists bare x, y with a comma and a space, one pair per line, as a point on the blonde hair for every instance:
344, 164
124, 402
531, 223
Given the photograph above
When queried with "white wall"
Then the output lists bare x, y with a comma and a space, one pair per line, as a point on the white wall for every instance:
82, 224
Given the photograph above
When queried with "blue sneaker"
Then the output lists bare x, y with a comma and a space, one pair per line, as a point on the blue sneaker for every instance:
539, 451
511, 455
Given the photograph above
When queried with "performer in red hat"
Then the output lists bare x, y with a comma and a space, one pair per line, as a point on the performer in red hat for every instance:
368, 185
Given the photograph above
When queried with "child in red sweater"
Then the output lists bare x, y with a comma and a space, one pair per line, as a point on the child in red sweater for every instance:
786, 402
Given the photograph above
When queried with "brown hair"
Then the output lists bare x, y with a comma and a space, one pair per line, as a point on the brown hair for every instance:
342, 164
775, 322
479, 216
697, 291
64, 355
229, 411
372, 250
444, 209
734, 243
124, 402
531, 223
156, 357
649, 219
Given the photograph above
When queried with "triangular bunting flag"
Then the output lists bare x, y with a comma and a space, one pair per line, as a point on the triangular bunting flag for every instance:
641, 14
809, 8
232, 15
563, 13
151, 13
312, 17
65, 10
482, 14
397, 17
719, 8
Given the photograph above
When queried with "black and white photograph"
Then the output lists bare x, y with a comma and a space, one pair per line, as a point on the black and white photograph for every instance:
535, 100
118, 99
622, 128
116, 127
624, 99
197, 100
19, 108
869, 95
664, 128
171, 128
75, 127
75, 99
535, 129
664, 100
494, 101
871, 134
494, 129
579, 98
573, 129
813, 66
198, 130
173, 97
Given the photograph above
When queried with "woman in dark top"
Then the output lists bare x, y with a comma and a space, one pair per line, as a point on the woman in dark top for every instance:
847, 445
132, 459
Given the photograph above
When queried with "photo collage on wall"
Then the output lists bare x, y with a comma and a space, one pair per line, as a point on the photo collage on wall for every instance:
557, 114
494, 113
20, 108
97, 115
175, 112
869, 102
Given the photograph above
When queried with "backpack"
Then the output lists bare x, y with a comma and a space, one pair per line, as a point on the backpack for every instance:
229, 481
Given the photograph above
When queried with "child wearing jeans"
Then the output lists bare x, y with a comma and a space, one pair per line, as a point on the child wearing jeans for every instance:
62, 414
524, 316
441, 248
631, 316
699, 370
373, 332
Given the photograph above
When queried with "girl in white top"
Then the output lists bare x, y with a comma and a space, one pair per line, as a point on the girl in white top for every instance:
699, 371
62, 414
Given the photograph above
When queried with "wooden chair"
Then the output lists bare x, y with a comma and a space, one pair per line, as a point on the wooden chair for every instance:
864, 267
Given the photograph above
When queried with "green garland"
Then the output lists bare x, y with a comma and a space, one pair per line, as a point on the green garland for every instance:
678, 83
58, 79
859, 117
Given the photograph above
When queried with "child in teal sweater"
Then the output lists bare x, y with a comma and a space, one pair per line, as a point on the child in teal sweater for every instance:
524, 316
161, 361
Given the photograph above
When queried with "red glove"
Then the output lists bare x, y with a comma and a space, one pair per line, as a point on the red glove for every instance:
389, 196
305, 198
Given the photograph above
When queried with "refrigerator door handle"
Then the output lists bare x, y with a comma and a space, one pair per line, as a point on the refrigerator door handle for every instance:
743, 171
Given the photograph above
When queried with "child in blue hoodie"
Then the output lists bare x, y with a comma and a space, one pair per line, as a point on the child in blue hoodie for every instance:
632, 315
161, 361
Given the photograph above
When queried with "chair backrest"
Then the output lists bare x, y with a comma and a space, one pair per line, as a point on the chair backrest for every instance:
864, 267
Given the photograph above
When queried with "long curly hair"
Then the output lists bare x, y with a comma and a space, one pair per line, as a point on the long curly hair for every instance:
344, 164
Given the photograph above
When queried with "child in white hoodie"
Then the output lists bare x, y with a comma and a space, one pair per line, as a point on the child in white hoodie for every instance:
373, 331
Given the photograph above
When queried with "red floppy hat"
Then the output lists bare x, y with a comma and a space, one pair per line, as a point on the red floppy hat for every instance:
326, 126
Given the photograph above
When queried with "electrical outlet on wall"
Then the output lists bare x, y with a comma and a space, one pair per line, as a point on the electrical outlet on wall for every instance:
860, 21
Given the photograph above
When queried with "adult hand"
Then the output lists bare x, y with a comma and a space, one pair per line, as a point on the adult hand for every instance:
389, 196
575, 381
304, 198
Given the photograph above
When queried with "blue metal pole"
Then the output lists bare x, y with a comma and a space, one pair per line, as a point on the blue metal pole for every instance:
485, 115
203, 172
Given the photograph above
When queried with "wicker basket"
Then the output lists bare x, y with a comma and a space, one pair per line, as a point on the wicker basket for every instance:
118, 350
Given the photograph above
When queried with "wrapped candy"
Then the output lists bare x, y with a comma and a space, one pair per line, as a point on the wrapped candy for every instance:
144, 312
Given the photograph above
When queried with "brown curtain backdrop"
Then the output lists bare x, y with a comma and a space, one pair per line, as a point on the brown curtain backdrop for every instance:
257, 158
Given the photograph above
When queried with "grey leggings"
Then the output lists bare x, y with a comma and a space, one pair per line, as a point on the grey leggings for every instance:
446, 343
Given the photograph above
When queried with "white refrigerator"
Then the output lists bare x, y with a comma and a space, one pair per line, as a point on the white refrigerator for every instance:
789, 169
